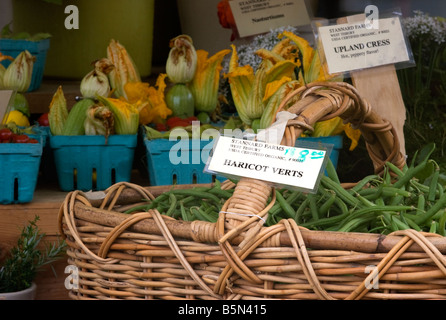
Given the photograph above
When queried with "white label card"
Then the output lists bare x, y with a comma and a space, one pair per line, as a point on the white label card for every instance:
259, 16
355, 46
5, 100
281, 165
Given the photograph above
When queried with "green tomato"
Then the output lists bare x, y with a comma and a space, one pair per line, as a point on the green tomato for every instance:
203, 117
21, 104
180, 100
255, 125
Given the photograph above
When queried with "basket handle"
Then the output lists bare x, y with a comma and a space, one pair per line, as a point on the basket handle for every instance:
319, 101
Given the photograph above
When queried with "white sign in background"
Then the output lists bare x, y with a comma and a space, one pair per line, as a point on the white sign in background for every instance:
355, 46
281, 165
259, 16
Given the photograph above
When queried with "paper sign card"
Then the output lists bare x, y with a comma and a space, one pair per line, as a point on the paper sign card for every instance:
259, 16
281, 165
5, 99
355, 46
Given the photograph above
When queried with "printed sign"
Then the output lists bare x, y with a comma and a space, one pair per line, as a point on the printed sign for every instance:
259, 16
359, 45
281, 165
5, 99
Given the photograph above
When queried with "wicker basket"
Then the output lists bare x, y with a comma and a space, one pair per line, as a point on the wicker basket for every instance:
148, 255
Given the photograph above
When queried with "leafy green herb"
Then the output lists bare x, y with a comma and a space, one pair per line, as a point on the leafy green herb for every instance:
6, 33
20, 268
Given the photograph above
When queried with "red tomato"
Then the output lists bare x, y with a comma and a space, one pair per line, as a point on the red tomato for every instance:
43, 120
160, 127
5, 135
33, 141
20, 138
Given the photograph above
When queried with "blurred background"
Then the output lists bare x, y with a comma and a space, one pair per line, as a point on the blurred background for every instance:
192, 17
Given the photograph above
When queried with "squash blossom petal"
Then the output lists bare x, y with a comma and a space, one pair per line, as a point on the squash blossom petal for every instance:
149, 100
2, 68
125, 114
181, 63
204, 86
96, 82
313, 70
241, 80
273, 86
273, 102
124, 70
249, 90
18, 74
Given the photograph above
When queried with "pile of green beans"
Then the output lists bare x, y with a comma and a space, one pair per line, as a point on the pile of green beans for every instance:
198, 203
412, 197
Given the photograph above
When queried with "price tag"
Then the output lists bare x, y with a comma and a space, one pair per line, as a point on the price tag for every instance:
358, 45
259, 16
293, 167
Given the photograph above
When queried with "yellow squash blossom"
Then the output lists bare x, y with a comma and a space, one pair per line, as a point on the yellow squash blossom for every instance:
312, 70
181, 63
204, 85
149, 101
124, 70
248, 89
126, 116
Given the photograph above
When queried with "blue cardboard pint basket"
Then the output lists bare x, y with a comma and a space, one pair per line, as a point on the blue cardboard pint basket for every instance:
178, 161
39, 49
19, 171
92, 163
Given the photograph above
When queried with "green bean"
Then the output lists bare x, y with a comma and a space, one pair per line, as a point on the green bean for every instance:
421, 202
313, 207
325, 222
331, 171
421, 219
400, 225
394, 169
411, 223
150, 205
341, 192
197, 193
441, 224
202, 215
352, 225
286, 207
365, 201
173, 201
325, 207
275, 209
410, 173
184, 214
294, 196
433, 227
224, 194
433, 185
363, 182
341, 206
376, 210
300, 210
